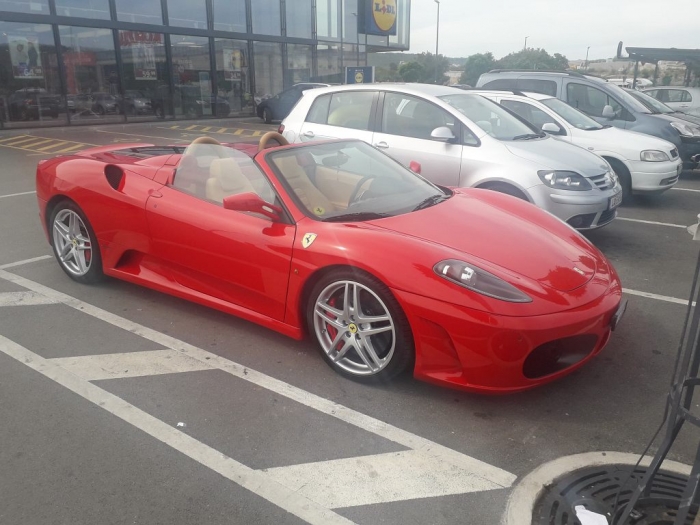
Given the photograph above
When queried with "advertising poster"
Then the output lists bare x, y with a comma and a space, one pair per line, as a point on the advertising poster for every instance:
25, 56
144, 58
233, 62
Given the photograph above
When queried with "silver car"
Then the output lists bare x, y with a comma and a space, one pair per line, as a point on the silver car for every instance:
455, 138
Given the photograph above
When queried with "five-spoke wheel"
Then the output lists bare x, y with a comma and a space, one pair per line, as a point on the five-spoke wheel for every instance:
74, 245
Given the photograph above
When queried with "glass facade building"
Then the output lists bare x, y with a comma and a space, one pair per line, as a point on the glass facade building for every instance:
86, 61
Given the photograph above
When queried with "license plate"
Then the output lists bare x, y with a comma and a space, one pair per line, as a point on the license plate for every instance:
615, 201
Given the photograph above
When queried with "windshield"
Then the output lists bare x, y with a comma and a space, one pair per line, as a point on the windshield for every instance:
650, 102
622, 94
573, 116
350, 181
492, 118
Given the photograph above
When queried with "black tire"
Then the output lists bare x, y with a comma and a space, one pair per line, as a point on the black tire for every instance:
159, 113
507, 189
267, 115
94, 272
100, 111
625, 178
400, 336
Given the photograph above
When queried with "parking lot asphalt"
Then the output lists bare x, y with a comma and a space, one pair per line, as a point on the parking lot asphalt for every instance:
124, 405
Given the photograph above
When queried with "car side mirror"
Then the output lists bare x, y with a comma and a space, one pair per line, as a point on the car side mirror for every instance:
551, 127
415, 167
251, 202
443, 134
608, 112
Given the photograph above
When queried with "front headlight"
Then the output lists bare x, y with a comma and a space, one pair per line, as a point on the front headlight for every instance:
480, 281
652, 155
686, 130
564, 180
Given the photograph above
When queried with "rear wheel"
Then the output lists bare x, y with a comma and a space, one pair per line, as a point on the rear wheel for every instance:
74, 244
267, 116
359, 326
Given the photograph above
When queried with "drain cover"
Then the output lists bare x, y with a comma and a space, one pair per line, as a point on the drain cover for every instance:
596, 489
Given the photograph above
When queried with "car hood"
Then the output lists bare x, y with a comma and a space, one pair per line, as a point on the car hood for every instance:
687, 117
555, 154
627, 141
496, 231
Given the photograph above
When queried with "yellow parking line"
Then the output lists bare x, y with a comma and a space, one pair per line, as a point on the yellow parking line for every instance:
206, 129
10, 139
222, 130
174, 127
258, 133
34, 144
66, 150
21, 141
60, 143
190, 128
238, 132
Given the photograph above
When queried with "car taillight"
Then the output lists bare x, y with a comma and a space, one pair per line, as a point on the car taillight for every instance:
280, 130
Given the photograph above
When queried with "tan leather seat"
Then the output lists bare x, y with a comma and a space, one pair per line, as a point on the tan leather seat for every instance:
308, 194
226, 178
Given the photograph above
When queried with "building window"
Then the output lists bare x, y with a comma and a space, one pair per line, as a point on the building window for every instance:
327, 20
233, 75
95, 9
142, 11
187, 13
299, 64
329, 70
193, 96
146, 77
30, 87
299, 19
268, 70
40, 7
266, 17
229, 15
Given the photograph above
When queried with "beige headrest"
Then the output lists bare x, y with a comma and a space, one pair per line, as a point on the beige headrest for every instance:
229, 174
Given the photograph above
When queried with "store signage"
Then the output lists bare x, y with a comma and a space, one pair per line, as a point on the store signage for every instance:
379, 17
359, 75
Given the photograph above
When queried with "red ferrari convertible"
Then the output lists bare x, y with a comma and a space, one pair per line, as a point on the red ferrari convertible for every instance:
386, 271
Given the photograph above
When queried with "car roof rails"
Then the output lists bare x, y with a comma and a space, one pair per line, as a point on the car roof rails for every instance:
560, 71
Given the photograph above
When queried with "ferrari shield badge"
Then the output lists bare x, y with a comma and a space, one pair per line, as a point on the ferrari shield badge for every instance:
308, 239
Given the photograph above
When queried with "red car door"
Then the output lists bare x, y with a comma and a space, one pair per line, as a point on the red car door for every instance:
234, 256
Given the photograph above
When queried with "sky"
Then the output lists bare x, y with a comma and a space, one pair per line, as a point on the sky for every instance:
558, 26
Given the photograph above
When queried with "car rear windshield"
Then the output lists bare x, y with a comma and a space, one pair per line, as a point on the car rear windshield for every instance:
489, 116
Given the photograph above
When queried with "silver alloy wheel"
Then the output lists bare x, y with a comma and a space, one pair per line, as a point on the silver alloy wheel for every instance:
354, 327
72, 242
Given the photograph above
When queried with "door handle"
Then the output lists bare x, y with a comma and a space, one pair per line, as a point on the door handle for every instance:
155, 194
309, 134
381, 145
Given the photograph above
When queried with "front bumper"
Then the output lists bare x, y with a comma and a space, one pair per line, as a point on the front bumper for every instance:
689, 147
481, 352
584, 210
654, 177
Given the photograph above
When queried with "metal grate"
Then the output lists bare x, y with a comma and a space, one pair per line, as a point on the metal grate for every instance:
602, 181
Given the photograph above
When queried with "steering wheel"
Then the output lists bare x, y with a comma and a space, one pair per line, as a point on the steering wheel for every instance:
271, 135
356, 191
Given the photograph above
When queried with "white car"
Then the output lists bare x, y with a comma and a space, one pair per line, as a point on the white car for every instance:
680, 98
644, 164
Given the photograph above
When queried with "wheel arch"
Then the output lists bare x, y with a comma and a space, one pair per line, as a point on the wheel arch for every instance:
50, 207
494, 184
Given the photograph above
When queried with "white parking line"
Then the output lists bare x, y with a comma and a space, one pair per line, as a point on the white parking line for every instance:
25, 261
658, 297
17, 194
685, 189
24, 299
138, 135
653, 222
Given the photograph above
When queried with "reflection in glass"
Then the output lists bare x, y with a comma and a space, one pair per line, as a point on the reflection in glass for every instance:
193, 97
268, 70
329, 70
29, 81
229, 15
146, 76
299, 64
39, 7
187, 13
299, 19
142, 11
96, 9
327, 19
233, 77
266, 17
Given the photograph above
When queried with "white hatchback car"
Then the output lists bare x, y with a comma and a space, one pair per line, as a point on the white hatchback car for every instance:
462, 140
680, 98
644, 164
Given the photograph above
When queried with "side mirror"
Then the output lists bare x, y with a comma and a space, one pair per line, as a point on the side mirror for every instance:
551, 127
415, 167
608, 112
252, 202
443, 134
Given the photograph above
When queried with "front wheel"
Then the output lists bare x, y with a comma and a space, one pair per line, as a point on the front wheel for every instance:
360, 327
75, 244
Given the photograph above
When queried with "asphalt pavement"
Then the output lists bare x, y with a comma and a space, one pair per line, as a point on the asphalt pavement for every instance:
123, 405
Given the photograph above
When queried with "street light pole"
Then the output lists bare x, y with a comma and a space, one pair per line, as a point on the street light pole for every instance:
525, 46
586, 65
437, 40
357, 28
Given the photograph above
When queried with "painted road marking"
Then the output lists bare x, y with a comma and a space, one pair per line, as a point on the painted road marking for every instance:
256, 481
379, 478
25, 261
32, 143
17, 194
139, 135
685, 189
473, 471
521, 502
130, 364
24, 299
658, 297
653, 222
238, 132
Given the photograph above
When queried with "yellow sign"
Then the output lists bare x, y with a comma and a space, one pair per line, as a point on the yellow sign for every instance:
359, 77
308, 239
384, 13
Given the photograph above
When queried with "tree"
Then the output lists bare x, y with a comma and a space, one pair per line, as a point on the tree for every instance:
412, 72
475, 66
384, 74
429, 62
532, 58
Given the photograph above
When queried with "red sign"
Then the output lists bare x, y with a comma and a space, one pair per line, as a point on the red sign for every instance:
129, 38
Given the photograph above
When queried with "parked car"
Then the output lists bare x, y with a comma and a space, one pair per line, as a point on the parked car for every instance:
279, 106
659, 108
191, 101
460, 139
644, 164
384, 271
604, 102
680, 98
137, 103
103, 103
33, 103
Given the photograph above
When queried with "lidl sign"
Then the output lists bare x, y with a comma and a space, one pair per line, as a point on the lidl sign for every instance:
380, 17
